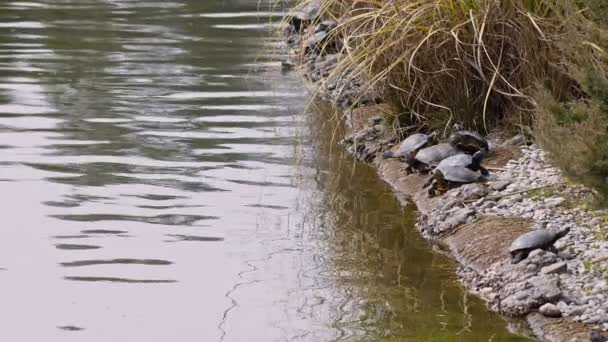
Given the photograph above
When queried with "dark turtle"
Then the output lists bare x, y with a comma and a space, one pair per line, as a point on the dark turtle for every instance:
409, 147
468, 141
429, 157
596, 336
456, 170
536, 239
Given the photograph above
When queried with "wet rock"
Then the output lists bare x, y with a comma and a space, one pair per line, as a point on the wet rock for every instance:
499, 185
557, 268
326, 25
316, 42
550, 310
304, 17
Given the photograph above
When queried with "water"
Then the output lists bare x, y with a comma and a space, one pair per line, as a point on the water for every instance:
161, 182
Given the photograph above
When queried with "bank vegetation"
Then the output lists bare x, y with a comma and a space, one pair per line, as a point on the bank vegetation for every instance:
534, 66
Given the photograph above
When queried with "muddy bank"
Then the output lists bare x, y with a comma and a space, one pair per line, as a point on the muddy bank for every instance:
561, 295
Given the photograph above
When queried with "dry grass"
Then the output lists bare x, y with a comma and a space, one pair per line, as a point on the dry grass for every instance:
471, 62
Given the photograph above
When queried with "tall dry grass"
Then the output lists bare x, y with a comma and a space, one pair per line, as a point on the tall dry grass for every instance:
468, 62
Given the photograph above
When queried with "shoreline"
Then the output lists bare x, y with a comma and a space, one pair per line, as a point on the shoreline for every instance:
562, 297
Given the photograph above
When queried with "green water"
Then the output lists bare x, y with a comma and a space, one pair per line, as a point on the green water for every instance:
162, 183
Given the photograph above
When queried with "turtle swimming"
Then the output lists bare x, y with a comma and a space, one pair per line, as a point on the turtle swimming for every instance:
431, 156
456, 170
468, 141
536, 239
409, 147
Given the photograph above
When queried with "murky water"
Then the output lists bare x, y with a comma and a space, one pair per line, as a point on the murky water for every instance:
161, 183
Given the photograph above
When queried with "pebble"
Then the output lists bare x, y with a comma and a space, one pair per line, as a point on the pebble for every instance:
550, 310
566, 255
499, 185
553, 202
517, 198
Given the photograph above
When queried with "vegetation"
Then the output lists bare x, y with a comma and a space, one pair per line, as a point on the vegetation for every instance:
575, 133
471, 62
485, 64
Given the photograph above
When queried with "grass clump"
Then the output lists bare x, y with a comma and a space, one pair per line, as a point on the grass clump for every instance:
467, 62
575, 133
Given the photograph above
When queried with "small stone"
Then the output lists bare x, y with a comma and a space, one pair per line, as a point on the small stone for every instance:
550, 310
517, 198
499, 185
553, 202
557, 268
566, 255
532, 268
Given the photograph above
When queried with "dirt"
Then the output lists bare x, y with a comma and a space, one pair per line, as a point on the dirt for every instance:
482, 243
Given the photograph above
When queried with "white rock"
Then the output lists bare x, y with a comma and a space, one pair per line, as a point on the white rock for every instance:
557, 268
500, 184
553, 202
550, 310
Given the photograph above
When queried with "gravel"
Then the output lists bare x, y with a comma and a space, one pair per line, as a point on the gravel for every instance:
572, 283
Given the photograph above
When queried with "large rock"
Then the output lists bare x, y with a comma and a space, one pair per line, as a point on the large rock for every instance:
472, 191
523, 297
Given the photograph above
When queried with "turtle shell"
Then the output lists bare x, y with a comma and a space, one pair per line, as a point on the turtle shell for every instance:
540, 238
411, 144
454, 169
468, 141
433, 155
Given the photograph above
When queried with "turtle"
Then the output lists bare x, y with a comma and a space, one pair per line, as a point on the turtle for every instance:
456, 170
409, 147
596, 336
468, 141
536, 239
429, 157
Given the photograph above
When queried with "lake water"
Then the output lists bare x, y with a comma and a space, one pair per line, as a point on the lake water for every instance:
165, 180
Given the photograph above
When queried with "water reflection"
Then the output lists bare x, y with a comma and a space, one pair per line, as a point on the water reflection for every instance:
163, 184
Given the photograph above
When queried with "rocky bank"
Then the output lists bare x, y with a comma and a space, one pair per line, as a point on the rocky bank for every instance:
563, 296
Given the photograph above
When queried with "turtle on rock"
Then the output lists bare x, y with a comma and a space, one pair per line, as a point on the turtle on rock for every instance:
468, 141
536, 239
456, 170
409, 147
431, 156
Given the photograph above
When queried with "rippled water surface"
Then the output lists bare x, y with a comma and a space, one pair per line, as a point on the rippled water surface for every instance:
161, 183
